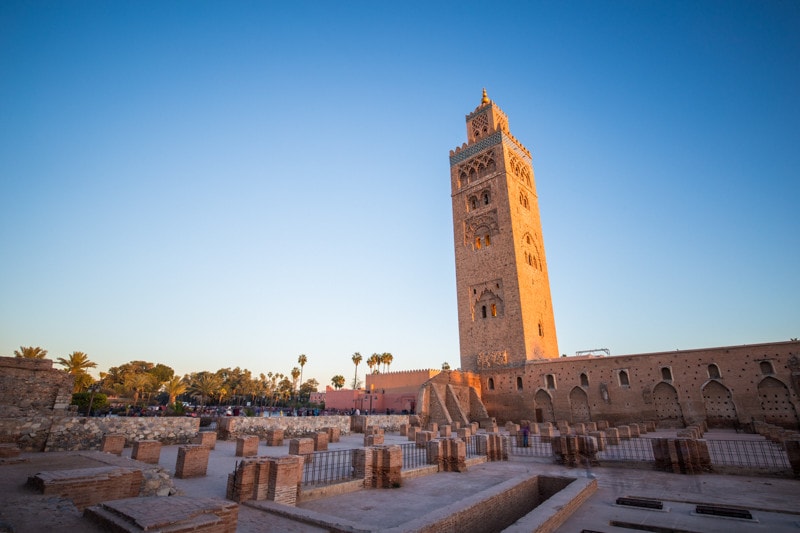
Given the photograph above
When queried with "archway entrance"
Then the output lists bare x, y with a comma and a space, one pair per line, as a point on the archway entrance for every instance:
579, 405
776, 407
544, 407
720, 411
668, 409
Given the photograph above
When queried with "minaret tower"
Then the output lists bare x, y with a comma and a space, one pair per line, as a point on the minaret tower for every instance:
505, 313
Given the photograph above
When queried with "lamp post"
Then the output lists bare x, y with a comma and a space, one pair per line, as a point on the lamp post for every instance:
371, 391
92, 388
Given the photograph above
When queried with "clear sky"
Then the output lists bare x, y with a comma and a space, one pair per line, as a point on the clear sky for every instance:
213, 184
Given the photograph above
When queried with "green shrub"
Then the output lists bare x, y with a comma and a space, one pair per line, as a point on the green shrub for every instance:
81, 399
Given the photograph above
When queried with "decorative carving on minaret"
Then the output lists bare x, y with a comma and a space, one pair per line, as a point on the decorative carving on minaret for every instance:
482, 224
476, 168
492, 359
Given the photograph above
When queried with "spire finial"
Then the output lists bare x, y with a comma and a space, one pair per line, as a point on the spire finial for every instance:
485, 99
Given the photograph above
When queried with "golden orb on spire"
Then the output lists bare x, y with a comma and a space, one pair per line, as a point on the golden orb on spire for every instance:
485, 99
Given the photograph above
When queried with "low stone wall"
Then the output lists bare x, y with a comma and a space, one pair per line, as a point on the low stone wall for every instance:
81, 433
386, 422
29, 433
233, 427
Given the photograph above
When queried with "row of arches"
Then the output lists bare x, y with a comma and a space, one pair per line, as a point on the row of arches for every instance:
720, 408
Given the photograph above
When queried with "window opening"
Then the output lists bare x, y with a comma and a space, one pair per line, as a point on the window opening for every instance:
666, 374
584, 380
623, 379
766, 367
483, 311
713, 371
490, 383
494, 310
519, 383
551, 381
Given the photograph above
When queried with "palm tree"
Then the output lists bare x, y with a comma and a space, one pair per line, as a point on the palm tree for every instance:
356, 360
386, 359
76, 364
301, 360
174, 387
205, 385
138, 383
373, 361
295, 374
29, 352
337, 381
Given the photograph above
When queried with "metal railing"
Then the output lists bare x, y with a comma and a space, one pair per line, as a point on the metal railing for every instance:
748, 453
760, 454
535, 447
326, 468
414, 456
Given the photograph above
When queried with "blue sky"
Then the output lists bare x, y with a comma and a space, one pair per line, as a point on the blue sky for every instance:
212, 184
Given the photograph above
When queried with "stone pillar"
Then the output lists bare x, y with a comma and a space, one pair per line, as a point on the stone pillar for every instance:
404, 430
445, 432
112, 443
334, 434
373, 440
363, 466
412, 433
474, 427
634, 428
612, 436
147, 451
793, 453
275, 437
579, 428
247, 446
600, 438
423, 437
304, 447
624, 432
463, 433
192, 461
602, 425
547, 433
435, 453
387, 464
591, 426
433, 427
320, 441
283, 476
206, 438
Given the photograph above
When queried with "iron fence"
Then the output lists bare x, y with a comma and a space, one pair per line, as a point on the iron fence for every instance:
748, 453
325, 468
535, 448
414, 456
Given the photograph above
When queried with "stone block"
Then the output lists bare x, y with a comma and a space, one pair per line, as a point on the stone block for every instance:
404, 430
8, 451
634, 429
89, 486
192, 461
600, 437
445, 431
624, 432
247, 446
177, 513
112, 443
320, 441
206, 438
274, 437
612, 436
146, 451
334, 434
423, 437
304, 447
373, 440
412, 433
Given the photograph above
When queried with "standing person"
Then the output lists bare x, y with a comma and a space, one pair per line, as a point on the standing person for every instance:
525, 431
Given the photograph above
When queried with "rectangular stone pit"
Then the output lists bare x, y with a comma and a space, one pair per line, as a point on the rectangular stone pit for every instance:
89, 486
176, 513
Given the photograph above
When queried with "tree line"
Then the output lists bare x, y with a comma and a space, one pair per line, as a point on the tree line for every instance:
145, 383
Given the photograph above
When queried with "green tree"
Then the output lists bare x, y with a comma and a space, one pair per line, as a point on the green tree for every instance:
77, 364
174, 388
161, 373
356, 358
337, 381
312, 385
445, 366
139, 385
29, 352
204, 385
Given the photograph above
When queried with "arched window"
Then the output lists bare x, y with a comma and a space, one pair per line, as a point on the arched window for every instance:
584, 380
490, 383
713, 371
666, 374
551, 381
477, 243
541, 330
494, 309
483, 311
473, 203
623, 379
519, 383
486, 198
527, 239
766, 367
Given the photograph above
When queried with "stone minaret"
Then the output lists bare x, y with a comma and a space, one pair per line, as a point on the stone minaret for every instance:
505, 313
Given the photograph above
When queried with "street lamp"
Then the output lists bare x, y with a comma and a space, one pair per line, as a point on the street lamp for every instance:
371, 391
92, 388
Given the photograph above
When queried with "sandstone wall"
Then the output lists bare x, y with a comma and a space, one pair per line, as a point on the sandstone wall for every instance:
29, 386
755, 382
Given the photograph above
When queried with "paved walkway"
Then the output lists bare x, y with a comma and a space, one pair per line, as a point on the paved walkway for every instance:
772, 501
